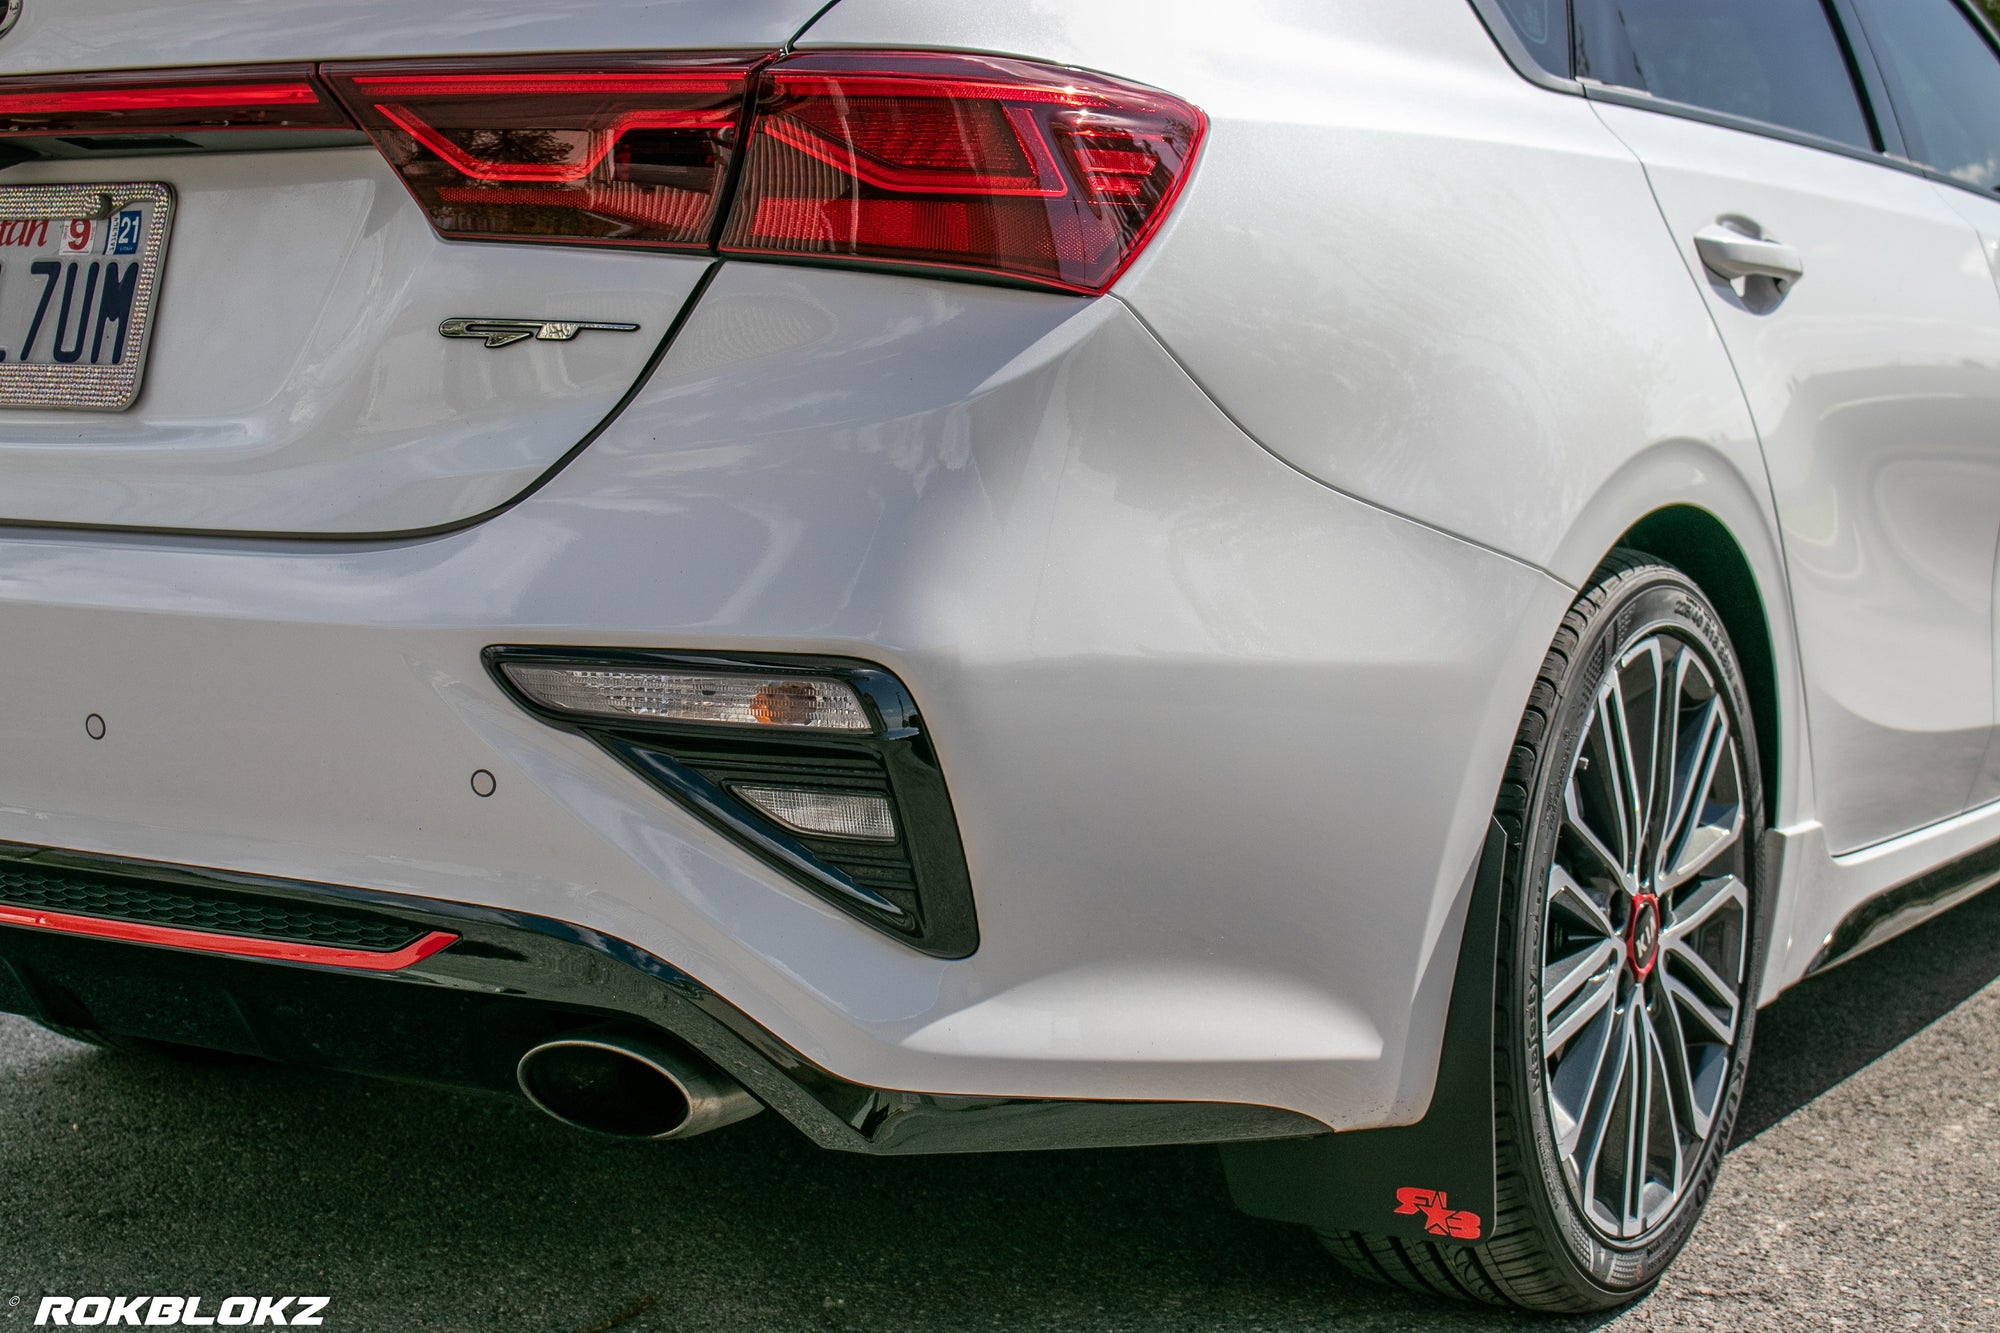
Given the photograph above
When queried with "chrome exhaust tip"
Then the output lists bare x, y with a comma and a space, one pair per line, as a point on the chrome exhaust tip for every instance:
629, 1087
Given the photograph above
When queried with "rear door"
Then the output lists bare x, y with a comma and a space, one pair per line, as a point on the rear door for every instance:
1859, 310
1942, 77
281, 364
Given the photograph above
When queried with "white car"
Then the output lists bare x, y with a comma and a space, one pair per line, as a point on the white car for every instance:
1360, 580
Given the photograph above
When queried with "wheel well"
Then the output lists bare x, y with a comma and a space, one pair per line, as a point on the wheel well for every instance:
1696, 543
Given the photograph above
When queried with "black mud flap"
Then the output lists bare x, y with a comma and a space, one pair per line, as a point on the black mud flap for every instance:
1434, 1180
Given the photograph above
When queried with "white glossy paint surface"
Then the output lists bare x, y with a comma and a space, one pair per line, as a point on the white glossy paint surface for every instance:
1447, 291
1983, 212
1876, 385
1221, 741
1221, 684
297, 382
1450, 292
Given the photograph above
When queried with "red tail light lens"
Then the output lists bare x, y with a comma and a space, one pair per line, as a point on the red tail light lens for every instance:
962, 162
969, 164
618, 151
188, 101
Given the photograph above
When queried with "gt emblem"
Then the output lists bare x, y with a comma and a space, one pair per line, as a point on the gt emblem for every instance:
1440, 1218
502, 332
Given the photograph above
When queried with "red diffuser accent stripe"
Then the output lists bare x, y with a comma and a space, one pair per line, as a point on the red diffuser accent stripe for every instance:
237, 946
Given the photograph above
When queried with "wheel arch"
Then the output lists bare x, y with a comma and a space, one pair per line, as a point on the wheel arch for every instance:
1704, 506
1701, 546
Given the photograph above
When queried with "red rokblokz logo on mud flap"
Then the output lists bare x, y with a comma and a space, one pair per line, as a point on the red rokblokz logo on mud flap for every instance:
1440, 1218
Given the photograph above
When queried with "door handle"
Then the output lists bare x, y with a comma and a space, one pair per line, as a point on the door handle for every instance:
1732, 254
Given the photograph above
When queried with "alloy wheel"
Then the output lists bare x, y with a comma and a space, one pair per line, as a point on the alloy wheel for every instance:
1644, 937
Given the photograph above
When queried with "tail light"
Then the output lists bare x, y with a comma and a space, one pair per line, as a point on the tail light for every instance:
633, 153
188, 101
974, 163
916, 161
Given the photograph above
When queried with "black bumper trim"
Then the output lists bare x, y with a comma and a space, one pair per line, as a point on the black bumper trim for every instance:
461, 1017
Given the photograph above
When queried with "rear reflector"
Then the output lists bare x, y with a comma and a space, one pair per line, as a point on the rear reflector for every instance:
188, 101
631, 152
976, 163
858, 816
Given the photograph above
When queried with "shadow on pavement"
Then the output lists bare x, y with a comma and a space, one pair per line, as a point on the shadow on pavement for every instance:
1831, 1026
418, 1210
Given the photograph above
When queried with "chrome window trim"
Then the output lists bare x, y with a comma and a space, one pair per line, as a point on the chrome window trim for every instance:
1873, 92
1608, 93
1501, 29
1860, 39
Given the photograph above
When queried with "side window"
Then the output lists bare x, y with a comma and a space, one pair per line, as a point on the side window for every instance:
1543, 27
1778, 61
1945, 82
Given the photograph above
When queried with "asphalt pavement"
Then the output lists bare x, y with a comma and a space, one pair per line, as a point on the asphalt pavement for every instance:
1862, 1192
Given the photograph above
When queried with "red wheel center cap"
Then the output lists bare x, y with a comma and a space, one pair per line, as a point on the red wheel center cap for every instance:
1642, 934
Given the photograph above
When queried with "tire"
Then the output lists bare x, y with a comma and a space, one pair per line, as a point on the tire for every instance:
1571, 1233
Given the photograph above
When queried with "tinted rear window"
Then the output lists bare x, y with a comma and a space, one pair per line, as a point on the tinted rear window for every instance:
1947, 85
1777, 61
1543, 27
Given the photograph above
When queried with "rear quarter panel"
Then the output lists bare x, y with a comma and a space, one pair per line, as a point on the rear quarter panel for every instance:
1420, 279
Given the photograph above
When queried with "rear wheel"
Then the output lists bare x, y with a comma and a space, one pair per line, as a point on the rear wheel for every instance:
1628, 956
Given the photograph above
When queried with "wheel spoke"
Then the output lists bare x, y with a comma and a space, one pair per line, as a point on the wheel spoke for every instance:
1680, 1074
1711, 826
1693, 770
1637, 792
1705, 843
1616, 777
1638, 1119
1679, 958
1718, 1016
1574, 821
1696, 909
1591, 979
1568, 896
1614, 1074
1662, 1128
1573, 1081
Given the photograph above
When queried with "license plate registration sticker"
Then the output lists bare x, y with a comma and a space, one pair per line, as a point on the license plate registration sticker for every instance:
79, 278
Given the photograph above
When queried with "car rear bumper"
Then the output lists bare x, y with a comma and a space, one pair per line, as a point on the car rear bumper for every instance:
1220, 740
459, 1007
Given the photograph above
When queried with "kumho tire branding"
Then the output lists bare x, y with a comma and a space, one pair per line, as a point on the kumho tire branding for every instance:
179, 1312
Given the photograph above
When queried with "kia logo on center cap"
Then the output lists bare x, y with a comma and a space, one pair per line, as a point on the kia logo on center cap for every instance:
1644, 944
10, 12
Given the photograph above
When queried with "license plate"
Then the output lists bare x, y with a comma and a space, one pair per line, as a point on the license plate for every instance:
79, 279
